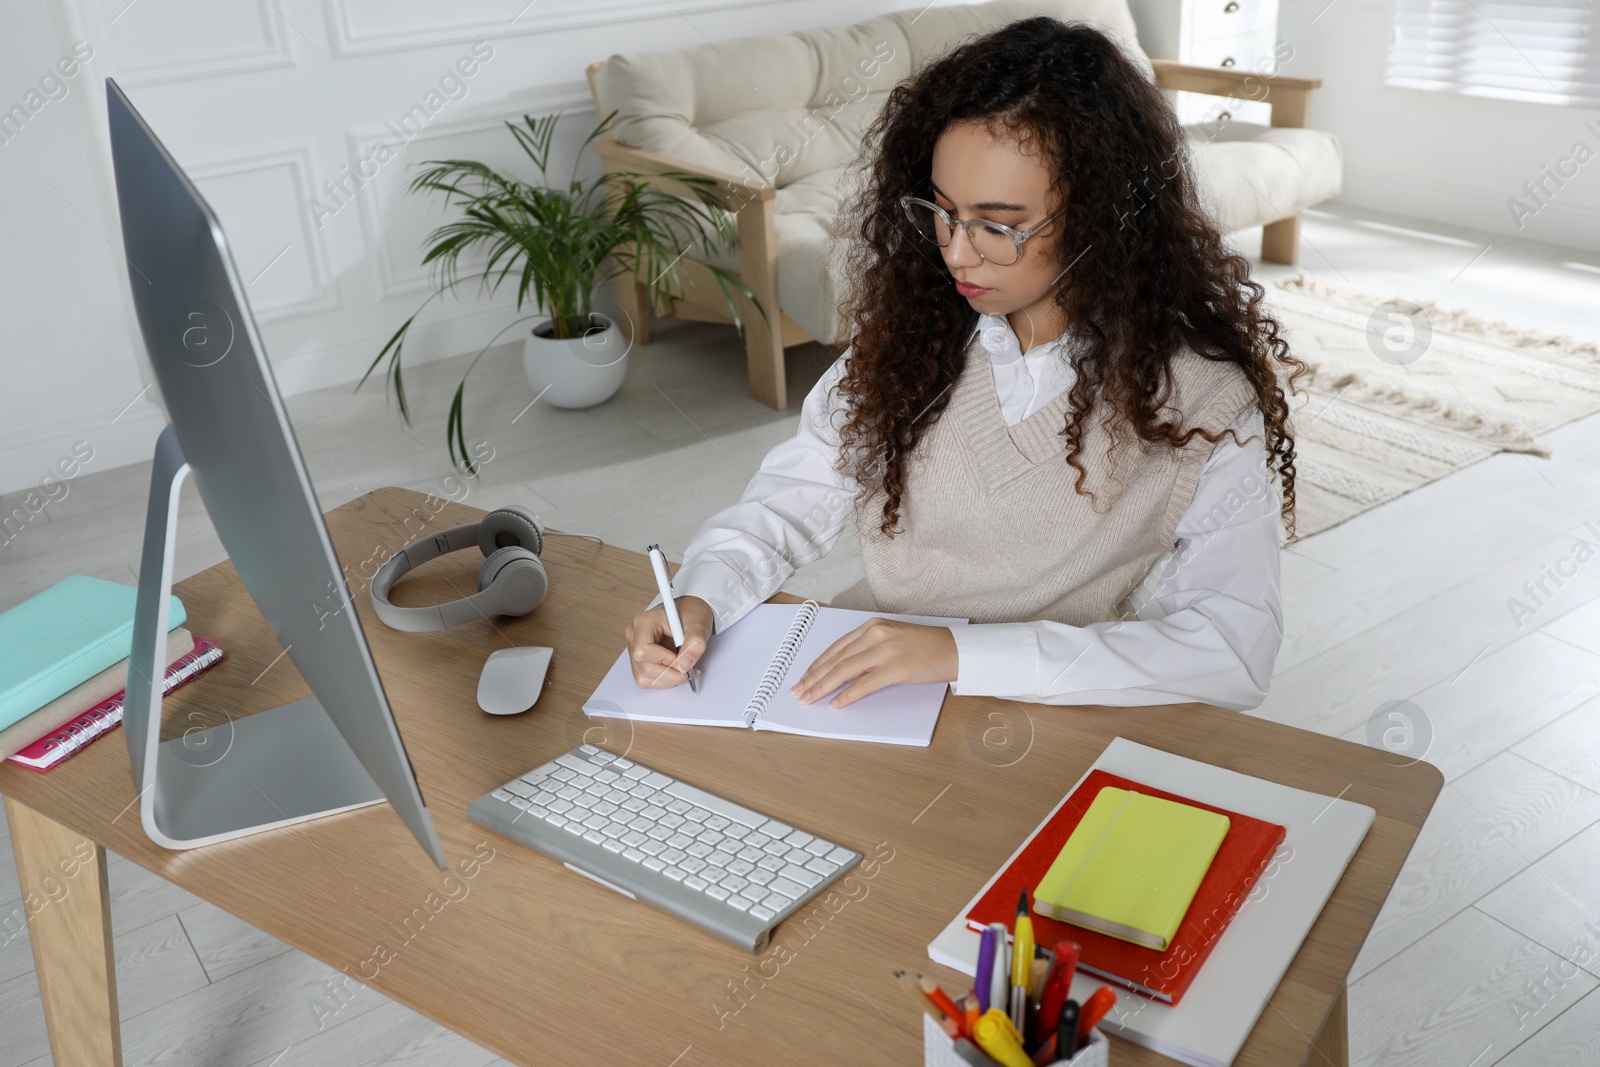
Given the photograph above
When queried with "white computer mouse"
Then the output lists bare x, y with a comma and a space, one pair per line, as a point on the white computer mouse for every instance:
512, 678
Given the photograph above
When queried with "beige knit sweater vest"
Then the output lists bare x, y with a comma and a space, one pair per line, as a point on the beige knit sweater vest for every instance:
991, 528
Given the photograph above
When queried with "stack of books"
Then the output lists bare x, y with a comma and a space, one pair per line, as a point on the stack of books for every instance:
63, 680
1143, 880
1203, 983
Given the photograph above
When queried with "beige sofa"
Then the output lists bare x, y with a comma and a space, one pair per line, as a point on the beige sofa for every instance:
775, 119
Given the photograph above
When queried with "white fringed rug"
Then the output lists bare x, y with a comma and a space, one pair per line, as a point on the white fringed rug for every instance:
1372, 426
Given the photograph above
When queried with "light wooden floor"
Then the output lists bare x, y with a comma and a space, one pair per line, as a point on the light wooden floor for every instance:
1488, 950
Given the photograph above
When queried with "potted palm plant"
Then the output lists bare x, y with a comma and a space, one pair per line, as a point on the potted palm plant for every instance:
557, 245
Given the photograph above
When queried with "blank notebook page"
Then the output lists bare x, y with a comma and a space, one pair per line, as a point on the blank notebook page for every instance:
903, 713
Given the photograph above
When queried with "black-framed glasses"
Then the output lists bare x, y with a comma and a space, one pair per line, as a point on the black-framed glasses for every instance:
995, 242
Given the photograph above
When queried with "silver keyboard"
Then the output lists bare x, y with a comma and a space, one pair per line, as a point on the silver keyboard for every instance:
731, 871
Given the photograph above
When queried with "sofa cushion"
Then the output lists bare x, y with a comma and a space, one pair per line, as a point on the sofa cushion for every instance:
1249, 175
811, 274
775, 109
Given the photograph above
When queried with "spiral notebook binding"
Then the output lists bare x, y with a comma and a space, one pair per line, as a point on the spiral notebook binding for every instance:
782, 660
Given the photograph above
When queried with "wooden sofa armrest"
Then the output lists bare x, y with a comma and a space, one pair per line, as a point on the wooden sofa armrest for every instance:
1290, 97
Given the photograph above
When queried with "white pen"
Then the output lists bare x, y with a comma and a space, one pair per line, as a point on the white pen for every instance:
659, 563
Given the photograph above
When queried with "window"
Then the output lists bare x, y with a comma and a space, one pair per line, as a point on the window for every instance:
1540, 51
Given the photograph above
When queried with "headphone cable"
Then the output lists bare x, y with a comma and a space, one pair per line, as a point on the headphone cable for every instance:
558, 533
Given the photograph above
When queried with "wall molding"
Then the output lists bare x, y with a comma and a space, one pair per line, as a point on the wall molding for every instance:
363, 140
341, 360
277, 52
539, 16
140, 407
27, 455
297, 157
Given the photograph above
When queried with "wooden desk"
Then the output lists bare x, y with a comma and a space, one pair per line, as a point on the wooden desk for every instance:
543, 966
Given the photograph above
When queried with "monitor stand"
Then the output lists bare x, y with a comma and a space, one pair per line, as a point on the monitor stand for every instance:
255, 772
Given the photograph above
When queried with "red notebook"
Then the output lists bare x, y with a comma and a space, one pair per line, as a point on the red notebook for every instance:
61, 745
1238, 864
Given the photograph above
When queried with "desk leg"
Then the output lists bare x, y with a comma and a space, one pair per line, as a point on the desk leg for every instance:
68, 904
1332, 1047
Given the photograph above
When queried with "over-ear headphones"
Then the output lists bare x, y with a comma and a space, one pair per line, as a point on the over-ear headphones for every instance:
511, 580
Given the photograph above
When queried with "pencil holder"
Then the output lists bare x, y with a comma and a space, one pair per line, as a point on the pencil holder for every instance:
939, 1049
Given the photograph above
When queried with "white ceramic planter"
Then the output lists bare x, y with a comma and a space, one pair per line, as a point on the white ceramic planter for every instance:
578, 372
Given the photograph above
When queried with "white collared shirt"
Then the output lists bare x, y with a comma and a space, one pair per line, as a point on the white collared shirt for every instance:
1209, 618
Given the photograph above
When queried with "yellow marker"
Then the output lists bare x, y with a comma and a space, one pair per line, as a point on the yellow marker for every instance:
1021, 963
1000, 1040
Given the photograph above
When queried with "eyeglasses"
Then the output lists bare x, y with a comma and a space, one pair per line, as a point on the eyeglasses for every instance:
993, 241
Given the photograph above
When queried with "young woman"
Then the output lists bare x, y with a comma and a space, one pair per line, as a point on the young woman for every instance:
1059, 414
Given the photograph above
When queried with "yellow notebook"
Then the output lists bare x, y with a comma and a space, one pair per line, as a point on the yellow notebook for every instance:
1132, 866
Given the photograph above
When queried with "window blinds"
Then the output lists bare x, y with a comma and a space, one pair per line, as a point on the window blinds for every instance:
1541, 51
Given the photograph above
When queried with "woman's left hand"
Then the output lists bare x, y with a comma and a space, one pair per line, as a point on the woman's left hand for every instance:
877, 653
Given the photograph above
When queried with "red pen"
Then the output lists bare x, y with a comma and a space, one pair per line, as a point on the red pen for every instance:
1094, 1009
1058, 983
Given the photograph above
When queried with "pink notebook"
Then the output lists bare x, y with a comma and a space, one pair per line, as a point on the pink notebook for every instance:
60, 745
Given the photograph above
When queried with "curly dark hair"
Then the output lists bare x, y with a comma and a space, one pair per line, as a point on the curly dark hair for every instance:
1149, 272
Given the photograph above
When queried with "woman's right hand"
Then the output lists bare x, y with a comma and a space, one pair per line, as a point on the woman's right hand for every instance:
655, 664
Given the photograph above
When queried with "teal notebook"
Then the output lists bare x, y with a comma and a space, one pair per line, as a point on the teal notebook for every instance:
63, 636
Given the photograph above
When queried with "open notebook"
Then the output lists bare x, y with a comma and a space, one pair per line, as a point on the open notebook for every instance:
745, 679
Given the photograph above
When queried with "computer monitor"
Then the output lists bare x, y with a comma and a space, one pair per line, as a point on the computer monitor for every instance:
339, 748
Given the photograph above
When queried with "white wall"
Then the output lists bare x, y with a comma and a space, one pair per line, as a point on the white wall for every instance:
67, 373
1435, 155
262, 101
